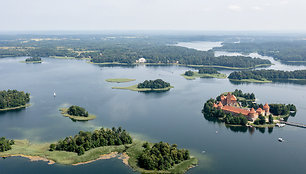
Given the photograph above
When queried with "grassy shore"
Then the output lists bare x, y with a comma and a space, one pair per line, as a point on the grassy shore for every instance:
76, 118
15, 108
128, 153
251, 80
134, 88
120, 80
198, 75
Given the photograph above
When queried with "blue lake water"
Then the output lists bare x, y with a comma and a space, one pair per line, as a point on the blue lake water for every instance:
174, 116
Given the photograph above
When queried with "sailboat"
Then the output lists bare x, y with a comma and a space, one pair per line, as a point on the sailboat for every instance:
54, 94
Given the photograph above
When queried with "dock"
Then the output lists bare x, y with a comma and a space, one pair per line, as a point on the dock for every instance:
294, 124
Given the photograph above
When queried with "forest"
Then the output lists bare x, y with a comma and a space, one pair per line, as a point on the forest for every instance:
13, 98
268, 75
208, 71
33, 59
85, 141
5, 144
161, 156
77, 111
103, 49
154, 84
285, 51
189, 73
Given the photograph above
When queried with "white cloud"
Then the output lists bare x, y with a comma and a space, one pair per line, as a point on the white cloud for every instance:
234, 7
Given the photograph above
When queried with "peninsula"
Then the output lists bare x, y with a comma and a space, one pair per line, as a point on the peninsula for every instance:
149, 85
203, 73
77, 113
87, 147
13, 99
238, 108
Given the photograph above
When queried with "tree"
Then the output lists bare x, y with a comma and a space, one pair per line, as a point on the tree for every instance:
262, 119
270, 119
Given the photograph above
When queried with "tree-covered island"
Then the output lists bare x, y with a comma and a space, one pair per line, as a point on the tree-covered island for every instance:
238, 108
149, 85
13, 99
203, 73
263, 76
77, 113
32, 60
86, 147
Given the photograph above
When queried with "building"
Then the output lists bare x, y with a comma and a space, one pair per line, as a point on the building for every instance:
229, 104
141, 60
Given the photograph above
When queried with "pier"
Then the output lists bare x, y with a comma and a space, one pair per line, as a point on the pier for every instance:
294, 124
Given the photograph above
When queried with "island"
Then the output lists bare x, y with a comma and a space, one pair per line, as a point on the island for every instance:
203, 73
268, 76
149, 85
238, 108
13, 99
120, 80
87, 147
77, 113
32, 60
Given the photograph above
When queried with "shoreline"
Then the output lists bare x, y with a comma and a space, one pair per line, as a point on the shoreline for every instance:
15, 108
31, 158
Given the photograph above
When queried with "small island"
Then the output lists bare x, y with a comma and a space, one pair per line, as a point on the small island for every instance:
203, 73
149, 85
77, 113
268, 76
120, 80
238, 108
87, 147
13, 99
32, 60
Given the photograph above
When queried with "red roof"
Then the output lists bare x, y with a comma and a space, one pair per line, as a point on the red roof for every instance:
222, 97
220, 104
266, 106
252, 111
235, 110
259, 110
233, 97
215, 105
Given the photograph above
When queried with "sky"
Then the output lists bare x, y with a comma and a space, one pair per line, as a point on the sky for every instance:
200, 15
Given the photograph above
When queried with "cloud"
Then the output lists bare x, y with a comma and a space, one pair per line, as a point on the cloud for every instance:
234, 7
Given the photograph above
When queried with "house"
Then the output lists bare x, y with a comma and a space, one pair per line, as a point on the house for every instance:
141, 60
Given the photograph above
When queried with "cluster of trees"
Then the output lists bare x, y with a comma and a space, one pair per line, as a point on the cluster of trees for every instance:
248, 96
208, 71
289, 50
268, 75
235, 120
32, 59
189, 73
262, 120
161, 156
77, 111
85, 141
282, 109
13, 98
5, 144
154, 84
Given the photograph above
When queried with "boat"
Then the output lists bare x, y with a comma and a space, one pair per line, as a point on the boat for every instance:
280, 125
54, 94
280, 139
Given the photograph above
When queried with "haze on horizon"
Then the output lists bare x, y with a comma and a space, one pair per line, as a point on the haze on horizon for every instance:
218, 15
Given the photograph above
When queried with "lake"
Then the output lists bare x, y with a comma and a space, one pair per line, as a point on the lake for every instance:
174, 116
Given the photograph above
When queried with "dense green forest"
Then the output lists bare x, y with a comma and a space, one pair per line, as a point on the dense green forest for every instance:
105, 48
282, 109
5, 144
189, 73
13, 98
268, 75
154, 84
85, 141
290, 50
161, 156
208, 71
77, 111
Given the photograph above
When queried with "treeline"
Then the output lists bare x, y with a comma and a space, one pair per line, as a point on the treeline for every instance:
85, 141
5, 144
210, 111
32, 59
208, 71
282, 109
161, 156
268, 75
77, 111
154, 84
290, 50
13, 98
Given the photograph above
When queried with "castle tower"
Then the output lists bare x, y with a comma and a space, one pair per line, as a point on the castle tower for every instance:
220, 106
266, 107
252, 114
228, 98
